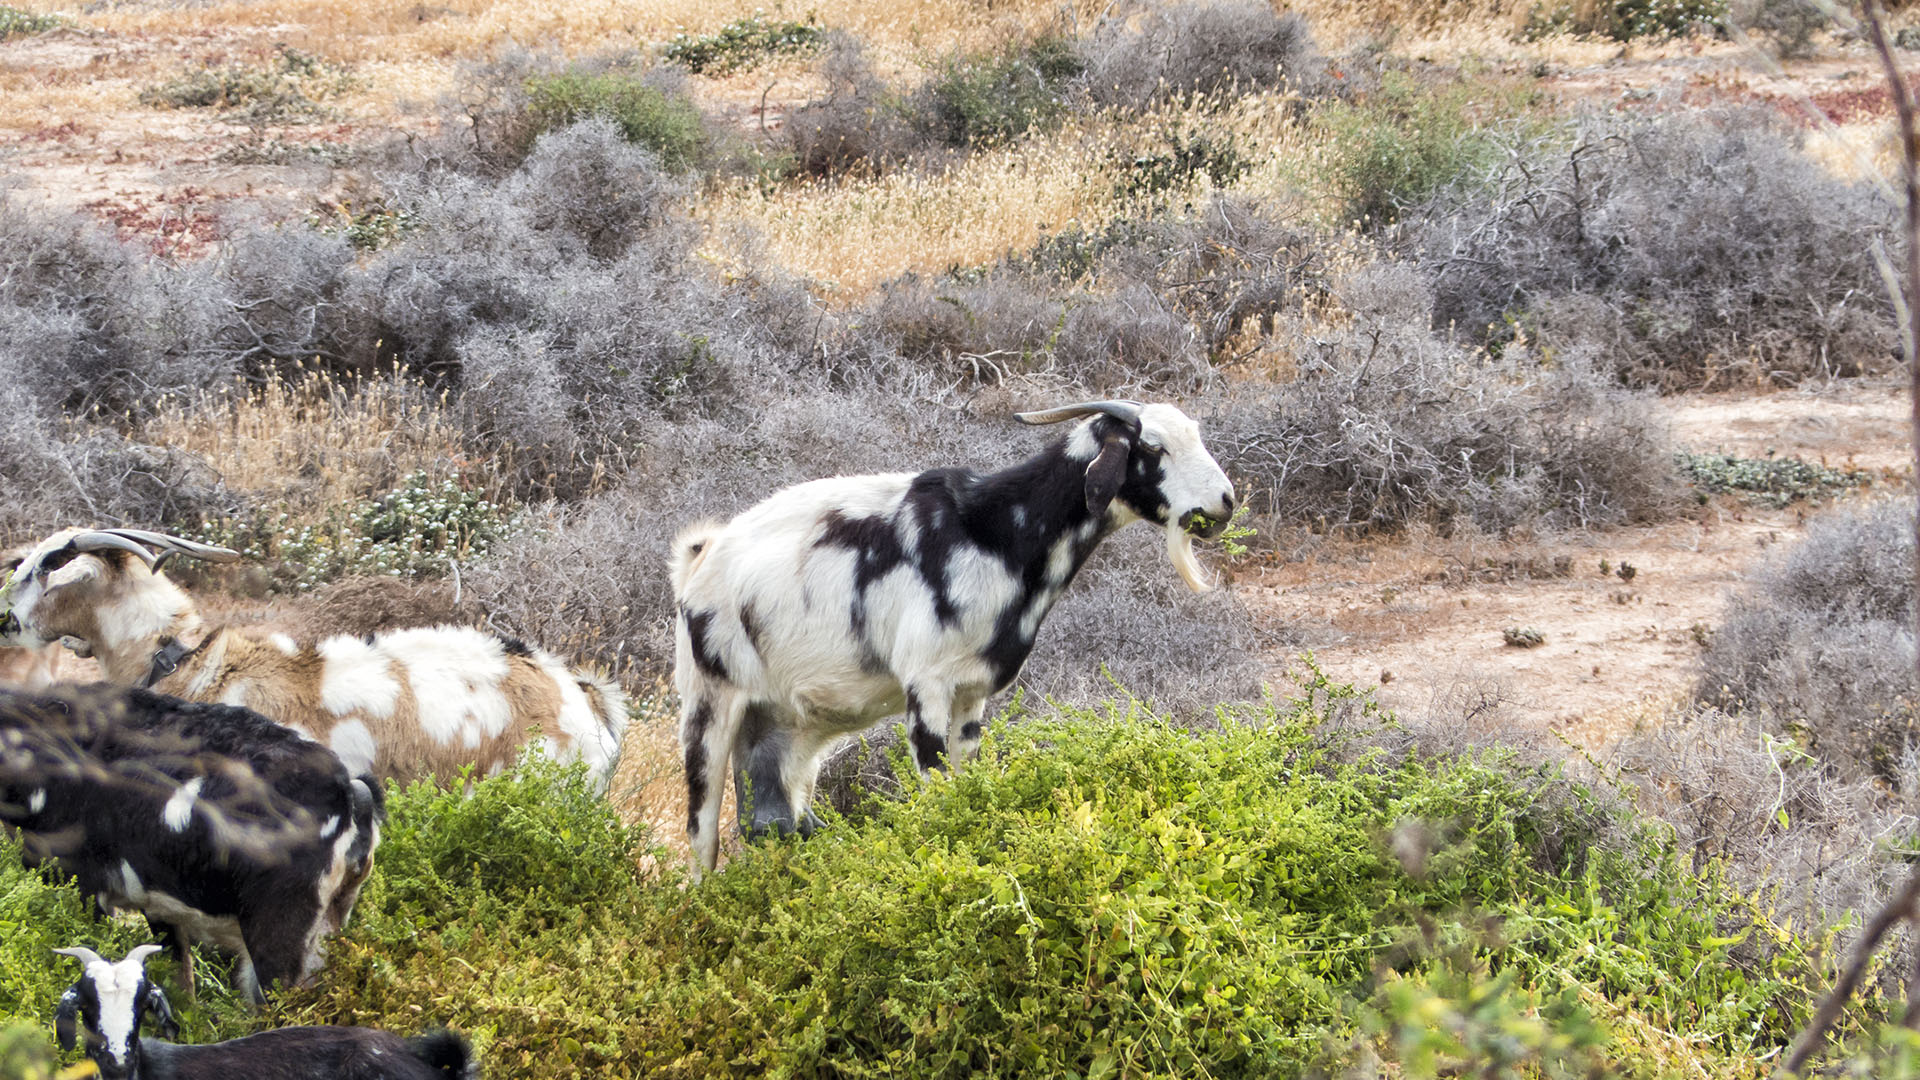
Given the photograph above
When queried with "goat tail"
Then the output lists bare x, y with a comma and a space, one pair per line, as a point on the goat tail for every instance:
444, 1051
688, 549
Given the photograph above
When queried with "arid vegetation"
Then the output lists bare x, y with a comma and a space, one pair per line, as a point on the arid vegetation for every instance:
476, 305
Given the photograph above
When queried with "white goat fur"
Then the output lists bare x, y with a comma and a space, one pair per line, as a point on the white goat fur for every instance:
405, 703
815, 613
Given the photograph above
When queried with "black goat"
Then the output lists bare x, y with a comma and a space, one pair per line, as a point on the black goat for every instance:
217, 823
111, 1001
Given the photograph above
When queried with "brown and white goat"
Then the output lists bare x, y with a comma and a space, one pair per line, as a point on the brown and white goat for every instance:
405, 703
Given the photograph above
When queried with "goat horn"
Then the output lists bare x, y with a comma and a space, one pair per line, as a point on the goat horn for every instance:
139, 954
190, 548
1118, 409
85, 956
109, 541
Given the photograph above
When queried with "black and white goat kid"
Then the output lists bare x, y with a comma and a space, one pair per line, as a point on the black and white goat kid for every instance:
111, 1002
836, 603
216, 823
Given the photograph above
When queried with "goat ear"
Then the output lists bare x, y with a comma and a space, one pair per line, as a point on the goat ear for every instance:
63, 1018
162, 1014
1107, 473
75, 571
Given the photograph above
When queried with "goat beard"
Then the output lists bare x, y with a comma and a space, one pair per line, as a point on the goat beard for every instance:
1180, 553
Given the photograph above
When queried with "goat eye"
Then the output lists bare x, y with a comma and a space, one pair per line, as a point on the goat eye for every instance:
56, 560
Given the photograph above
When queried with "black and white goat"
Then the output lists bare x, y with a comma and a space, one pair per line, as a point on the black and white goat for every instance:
216, 823
835, 603
111, 1001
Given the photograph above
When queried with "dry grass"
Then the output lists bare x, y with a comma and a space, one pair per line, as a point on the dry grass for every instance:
851, 236
317, 443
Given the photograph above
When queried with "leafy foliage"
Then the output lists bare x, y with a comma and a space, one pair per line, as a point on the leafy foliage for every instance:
742, 43
1401, 144
667, 124
290, 88
420, 528
1773, 481
1625, 20
16, 22
995, 97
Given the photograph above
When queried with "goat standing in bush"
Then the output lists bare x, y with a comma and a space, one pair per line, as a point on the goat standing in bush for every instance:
405, 703
218, 824
111, 1001
835, 603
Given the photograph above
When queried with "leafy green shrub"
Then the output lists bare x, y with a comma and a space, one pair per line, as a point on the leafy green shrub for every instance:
1401, 144
1181, 159
668, 124
289, 89
36, 917
1098, 894
15, 22
1624, 20
1772, 481
988, 99
742, 43
418, 529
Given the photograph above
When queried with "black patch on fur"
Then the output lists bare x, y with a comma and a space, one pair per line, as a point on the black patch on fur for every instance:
699, 629
752, 628
970, 730
927, 746
876, 551
765, 805
695, 738
370, 639
515, 647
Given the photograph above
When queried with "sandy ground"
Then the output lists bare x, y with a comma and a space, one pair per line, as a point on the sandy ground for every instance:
1425, 619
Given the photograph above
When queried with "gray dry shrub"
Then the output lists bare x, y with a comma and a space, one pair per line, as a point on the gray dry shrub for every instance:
1823, 848
857, 124
90, 322
1386, 425
1144, 53
1692, 251
1820, 641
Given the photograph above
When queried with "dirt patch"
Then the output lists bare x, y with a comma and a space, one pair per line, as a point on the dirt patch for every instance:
1624, 615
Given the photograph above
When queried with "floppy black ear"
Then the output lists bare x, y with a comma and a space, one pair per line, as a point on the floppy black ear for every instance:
162, 1015
1108, 472
63, 1027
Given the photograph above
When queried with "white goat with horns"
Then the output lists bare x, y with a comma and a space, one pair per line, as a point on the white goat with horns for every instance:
836, 603
405, 703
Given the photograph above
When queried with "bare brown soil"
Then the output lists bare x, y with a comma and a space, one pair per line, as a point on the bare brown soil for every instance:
1424, 619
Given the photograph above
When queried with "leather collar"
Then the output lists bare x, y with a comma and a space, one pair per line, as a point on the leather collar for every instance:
167, 660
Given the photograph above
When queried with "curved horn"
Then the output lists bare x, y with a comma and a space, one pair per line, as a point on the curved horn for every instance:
85, 956
139, 954
190, 548
1119, 409
107, 541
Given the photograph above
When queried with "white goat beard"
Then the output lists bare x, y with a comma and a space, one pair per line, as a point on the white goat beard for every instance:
1180, 553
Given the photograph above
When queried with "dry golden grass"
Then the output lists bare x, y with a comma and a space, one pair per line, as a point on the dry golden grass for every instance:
851, 236
315, 444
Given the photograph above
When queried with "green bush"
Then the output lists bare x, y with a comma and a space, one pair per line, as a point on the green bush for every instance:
1624, 20
742, 43
1404, 143
995, 97
289, 89
1100, 894
15, 22
419, 529
668, 124
1773, 481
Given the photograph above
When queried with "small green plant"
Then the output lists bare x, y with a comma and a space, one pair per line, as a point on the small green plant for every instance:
668, 124
1624, 20
15, 22
742, 44
988, 99
1523, 637
1772, 481
368, 229
1236, 531
289, 89
1180, 161
1404, 143
419, 529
